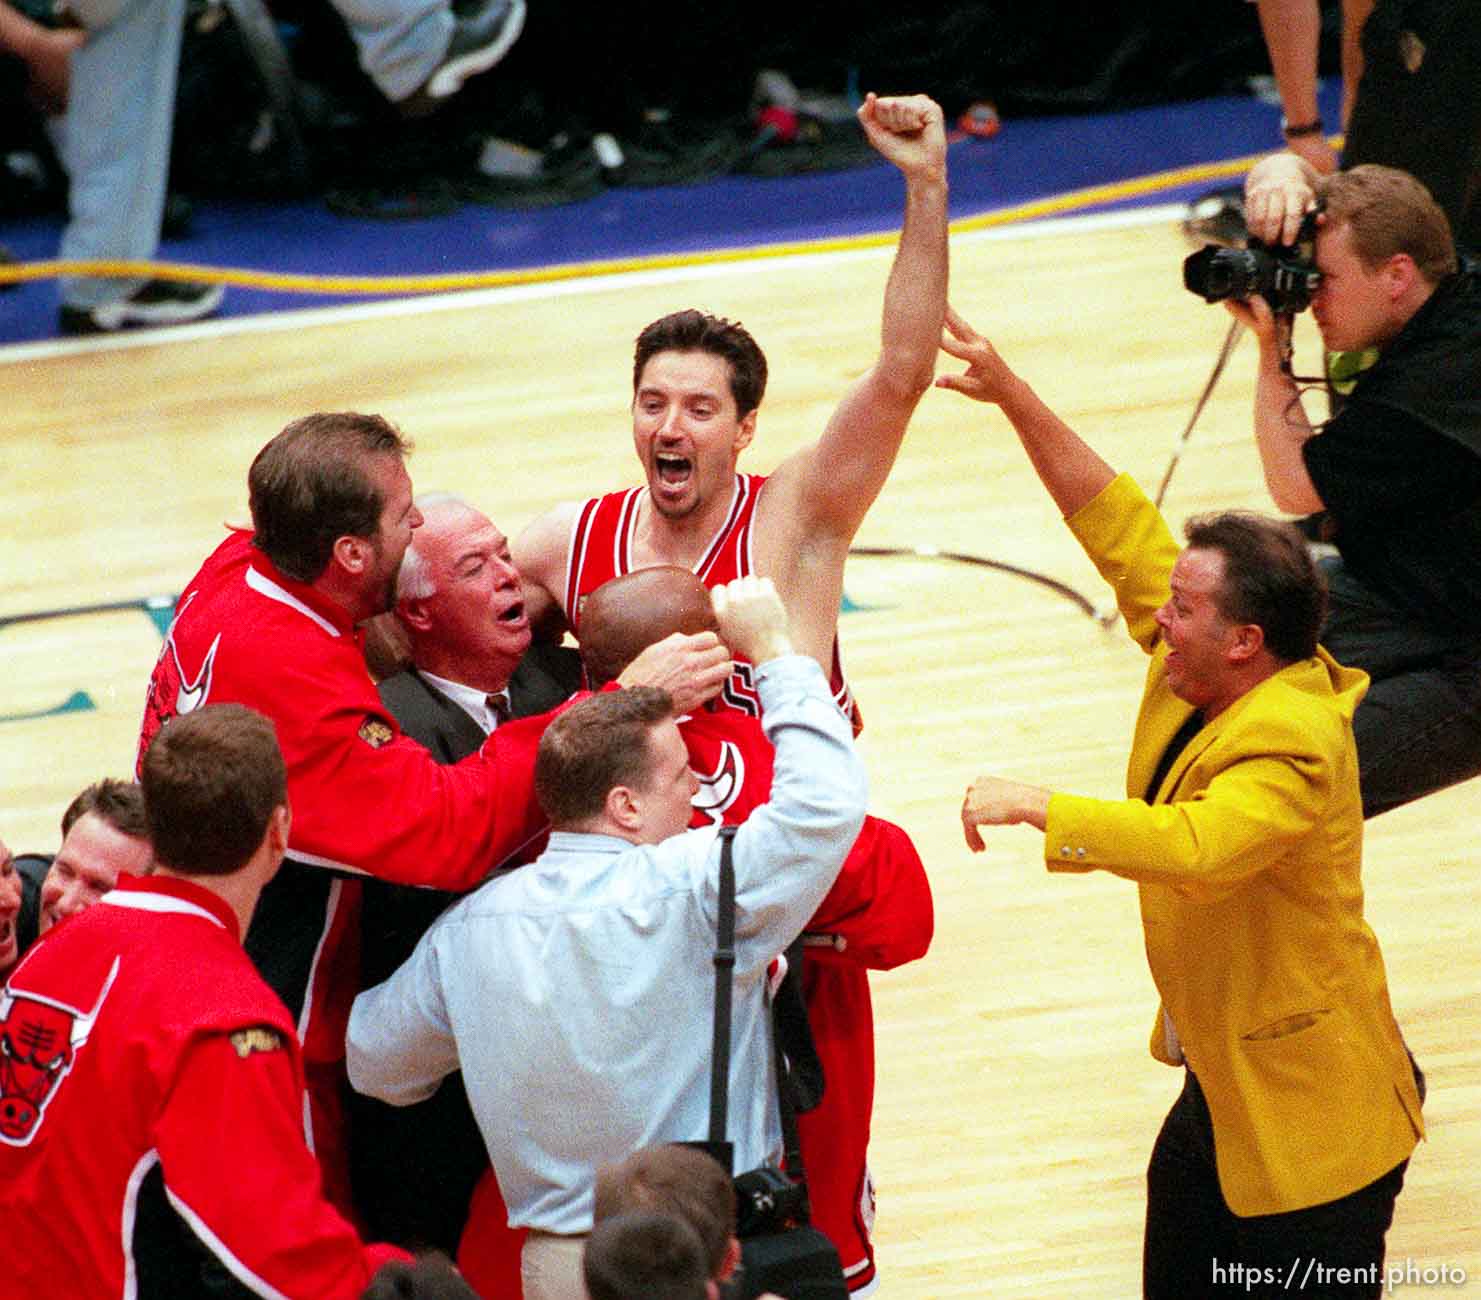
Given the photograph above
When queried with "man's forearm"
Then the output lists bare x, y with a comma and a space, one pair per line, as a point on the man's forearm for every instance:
1292, 31
1281, 430
915, 295
1068, 466
393, 1051
839, 478
789, 850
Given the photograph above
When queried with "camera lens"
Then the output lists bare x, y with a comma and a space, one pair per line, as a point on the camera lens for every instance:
1284, 277
1216, 273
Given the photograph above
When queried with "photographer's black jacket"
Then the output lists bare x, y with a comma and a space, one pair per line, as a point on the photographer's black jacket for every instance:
1399, 466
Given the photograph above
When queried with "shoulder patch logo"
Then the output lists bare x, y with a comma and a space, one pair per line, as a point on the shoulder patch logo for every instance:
259, 1038
39, 1041
375, 733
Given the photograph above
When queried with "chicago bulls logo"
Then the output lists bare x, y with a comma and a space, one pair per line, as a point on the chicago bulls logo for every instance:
39, 1040
170, 691
718, 790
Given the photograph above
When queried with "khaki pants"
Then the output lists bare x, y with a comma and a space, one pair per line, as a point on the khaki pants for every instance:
550, 1267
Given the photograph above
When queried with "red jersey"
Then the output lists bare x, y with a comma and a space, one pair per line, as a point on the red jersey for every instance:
366, 799
601, 548
877, 915
151, 1133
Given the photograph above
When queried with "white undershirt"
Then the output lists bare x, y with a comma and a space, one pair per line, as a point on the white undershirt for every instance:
473, 702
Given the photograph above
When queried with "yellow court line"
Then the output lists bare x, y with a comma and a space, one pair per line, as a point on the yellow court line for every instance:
293, 282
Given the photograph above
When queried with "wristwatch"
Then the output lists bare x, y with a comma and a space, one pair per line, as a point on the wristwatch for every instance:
1297, 130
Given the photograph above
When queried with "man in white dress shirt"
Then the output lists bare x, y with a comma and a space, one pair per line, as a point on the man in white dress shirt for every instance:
575, 993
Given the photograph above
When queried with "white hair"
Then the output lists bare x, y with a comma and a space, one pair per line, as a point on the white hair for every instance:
414, 580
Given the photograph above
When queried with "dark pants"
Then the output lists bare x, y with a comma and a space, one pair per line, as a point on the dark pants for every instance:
1418, 729
1419, 104
1196, 1247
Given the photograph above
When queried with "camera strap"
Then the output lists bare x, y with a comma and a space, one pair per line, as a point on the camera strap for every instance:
724, 979
791, 1141
720, 1063
1285, 337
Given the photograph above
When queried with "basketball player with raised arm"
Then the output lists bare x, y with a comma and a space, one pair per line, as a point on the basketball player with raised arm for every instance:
698, 381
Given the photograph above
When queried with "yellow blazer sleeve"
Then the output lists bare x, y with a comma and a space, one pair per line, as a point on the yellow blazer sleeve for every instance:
1244, 819
1129, 542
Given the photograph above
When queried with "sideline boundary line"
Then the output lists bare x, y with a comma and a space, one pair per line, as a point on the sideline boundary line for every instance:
1039, 218
275, 321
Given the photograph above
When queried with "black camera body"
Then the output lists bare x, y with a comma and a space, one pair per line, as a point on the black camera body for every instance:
781, 1252
768, 1200
1285, 276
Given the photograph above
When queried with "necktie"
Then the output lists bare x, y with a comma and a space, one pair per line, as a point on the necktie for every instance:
498, 706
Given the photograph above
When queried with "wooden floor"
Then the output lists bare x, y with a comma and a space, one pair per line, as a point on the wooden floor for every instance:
1017, 1102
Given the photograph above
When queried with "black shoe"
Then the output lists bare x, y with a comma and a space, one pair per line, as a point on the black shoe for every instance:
159, 302
480, 39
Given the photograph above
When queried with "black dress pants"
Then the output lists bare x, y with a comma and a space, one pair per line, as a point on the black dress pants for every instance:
1195, 1246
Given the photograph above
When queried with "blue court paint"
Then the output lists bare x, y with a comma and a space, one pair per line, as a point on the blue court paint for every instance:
1033, 158
77, 702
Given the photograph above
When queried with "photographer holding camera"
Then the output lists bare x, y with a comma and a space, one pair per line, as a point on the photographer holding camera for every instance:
1396, 470
576, 993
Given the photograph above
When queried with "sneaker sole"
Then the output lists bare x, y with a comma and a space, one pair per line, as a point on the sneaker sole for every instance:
122, 315
449, 78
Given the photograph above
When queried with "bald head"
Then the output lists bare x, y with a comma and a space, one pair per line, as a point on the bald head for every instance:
623, 617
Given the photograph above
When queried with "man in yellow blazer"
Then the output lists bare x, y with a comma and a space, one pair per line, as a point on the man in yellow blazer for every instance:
1243, 829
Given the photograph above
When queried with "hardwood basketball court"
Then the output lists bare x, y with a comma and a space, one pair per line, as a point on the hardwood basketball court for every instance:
1017, 1103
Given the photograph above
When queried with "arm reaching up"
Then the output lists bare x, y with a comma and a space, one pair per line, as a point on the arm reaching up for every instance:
752, 619
846, 469
815, 501
1067, 466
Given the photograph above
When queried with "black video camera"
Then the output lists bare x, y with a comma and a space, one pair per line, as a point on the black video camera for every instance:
1284, 275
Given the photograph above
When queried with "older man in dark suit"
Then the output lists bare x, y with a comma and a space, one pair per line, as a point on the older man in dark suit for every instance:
461, 609
461, 606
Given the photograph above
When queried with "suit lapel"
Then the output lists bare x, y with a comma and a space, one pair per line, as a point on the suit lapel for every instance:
1210, 732
455, 734
1201, 740
545, 677
1162, 716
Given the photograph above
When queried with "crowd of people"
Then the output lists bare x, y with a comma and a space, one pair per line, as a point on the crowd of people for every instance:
450, 933
110, 74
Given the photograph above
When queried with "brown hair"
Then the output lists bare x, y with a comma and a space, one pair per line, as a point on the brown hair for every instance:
1389, 212
309, 487
698, 331
595, 745
644, 1256
212, 780
1270, 579
673, 1179
119, 803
